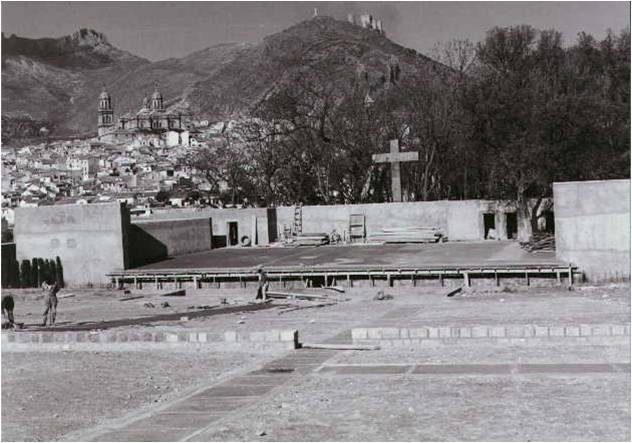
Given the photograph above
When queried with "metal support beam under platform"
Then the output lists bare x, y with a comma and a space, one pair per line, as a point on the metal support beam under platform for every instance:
348, 274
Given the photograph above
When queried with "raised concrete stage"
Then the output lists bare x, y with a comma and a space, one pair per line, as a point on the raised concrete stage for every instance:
340, 264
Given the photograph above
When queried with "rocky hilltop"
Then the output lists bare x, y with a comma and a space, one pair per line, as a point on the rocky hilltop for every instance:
56, 81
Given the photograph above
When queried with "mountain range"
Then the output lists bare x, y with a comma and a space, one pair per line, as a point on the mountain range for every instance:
55, 82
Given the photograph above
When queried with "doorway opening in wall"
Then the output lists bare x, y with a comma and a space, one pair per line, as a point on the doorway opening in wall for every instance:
549, 221
489, 222
512, 225
233, 234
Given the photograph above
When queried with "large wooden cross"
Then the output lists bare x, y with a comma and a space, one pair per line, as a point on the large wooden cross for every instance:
395, 158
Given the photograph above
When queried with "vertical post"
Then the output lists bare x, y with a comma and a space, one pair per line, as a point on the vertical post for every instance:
389, 281
156, 282
414, 280
570, 276
195, 282
441, 279
396, 180
117, 283
496, 279
326, 279
348, 280
526, 276
372, 281
466, 279
559, 278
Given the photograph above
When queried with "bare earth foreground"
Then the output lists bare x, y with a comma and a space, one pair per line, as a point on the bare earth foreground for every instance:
583, 392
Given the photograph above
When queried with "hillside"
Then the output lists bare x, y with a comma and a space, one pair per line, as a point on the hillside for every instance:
48, 81
58, 80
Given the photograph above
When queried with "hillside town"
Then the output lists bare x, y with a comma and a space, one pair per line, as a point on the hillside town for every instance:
144, 171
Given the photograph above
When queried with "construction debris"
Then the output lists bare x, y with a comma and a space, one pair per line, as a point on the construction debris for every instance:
135, 297
539, 241
407, 235
299, 308
311, 239
178, 293
275, 294
341, 347
453, 292
165, 304
334, 288
381, 296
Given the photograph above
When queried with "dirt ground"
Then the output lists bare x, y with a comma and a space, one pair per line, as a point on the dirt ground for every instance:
48, 395
55, 395
438, 408
422, 306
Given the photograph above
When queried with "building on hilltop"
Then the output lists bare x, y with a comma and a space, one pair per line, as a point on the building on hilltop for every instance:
366, 21
152, 125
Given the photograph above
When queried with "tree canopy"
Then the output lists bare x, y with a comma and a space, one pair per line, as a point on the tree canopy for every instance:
516, 112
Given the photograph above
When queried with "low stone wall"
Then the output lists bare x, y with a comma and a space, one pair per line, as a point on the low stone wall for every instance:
514, 334
132, 340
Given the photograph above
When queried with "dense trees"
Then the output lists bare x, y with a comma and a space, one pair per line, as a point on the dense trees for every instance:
517, 112
542, 113
32, 273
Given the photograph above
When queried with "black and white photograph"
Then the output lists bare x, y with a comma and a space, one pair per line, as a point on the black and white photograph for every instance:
298, 221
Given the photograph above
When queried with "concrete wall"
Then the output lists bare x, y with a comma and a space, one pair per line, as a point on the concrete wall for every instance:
460, 220
592, 227
153, 240
252, 222
89, 239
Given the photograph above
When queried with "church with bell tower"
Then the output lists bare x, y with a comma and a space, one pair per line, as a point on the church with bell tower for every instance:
106, 113
151, 125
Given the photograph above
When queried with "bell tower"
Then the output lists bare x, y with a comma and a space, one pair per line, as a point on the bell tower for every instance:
156, 99
106, 113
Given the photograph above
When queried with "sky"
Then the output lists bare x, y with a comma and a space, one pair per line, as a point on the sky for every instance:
160, 30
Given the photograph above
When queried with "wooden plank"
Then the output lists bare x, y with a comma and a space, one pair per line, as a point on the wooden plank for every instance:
276, 294
453, 292
341, 347
135, 297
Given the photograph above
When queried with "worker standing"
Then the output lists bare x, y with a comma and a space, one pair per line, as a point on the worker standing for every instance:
50, 302
262, 289
7, 310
